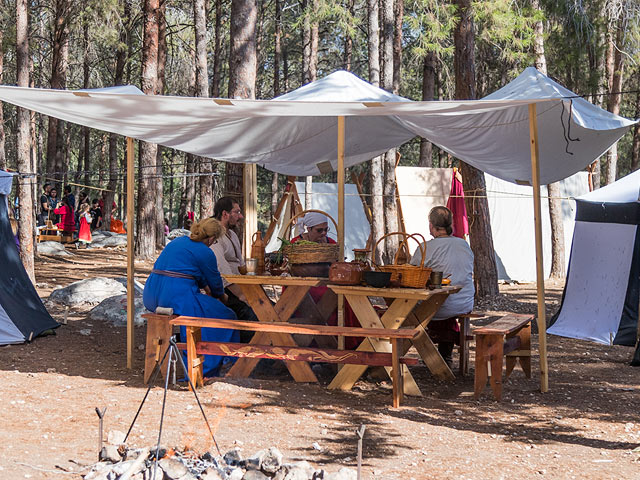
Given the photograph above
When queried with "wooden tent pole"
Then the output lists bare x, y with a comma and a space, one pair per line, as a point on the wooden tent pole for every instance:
341, 172
537, 215
130, 254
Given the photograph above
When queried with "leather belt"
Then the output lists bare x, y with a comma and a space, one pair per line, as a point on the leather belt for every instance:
169, 273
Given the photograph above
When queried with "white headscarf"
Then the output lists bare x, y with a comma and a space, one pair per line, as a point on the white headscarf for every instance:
309, 220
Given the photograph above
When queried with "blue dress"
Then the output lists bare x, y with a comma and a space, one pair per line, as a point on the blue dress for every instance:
183, 255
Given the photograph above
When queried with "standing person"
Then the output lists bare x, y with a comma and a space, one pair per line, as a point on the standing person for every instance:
453, 257
53, 204
67, 222
84, 234
43, 216
96, 215
229, 255
185, 266
71, 198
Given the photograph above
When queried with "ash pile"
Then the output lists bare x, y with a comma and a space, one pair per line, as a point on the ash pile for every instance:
117, 462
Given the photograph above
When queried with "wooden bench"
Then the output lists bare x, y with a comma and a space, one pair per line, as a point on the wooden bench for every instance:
196, 348
508, 336
159, 331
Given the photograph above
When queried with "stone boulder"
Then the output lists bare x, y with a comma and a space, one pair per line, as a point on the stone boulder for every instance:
110, 240
52, 248
90, 291
137, 286
178, 232
114, 311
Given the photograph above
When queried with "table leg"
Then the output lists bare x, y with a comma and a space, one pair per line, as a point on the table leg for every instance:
368, 318
280, 312
397, 373
194, 361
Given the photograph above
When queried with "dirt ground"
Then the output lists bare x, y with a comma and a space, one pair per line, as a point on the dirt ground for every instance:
586, 426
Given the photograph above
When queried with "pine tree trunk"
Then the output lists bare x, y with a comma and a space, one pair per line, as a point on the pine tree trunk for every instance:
397, 45
615, 64
277, 51
162, 63
485, 272
188, 190
217, 52
146, 228
3, 157
553, 189
348, 41
275, 194
25, 195
389, 162
428, 90
242, 77
635, 143
375, 170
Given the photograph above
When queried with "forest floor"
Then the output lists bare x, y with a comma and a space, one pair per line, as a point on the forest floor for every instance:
586, 426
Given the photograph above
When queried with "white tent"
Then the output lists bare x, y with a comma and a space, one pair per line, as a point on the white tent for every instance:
518, 140
296, 134
510, 211
600, 300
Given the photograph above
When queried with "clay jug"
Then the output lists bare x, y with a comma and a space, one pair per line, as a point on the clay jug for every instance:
257, 251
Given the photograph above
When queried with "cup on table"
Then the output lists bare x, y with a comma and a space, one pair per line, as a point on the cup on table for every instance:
252, 266
435, 279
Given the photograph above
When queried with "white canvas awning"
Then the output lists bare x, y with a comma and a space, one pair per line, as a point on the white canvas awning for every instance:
296, 134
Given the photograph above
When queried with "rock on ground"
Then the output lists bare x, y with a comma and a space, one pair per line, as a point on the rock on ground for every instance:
114, 311
111, 240
51, 248
178, 232
91, 291
137, 286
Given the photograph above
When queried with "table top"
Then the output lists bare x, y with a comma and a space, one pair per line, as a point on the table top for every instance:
410, 293
275, 280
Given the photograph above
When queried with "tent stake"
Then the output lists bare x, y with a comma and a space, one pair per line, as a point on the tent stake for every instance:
130, 258
542, 319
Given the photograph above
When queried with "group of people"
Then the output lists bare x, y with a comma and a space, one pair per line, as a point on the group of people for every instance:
70, 216
191, 265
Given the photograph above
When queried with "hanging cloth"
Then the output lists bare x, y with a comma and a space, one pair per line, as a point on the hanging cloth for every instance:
457, 206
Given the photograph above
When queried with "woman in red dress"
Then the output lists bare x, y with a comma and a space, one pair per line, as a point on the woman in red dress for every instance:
67, 222
85, 224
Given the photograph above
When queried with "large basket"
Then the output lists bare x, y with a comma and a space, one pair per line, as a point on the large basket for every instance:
312, 253
410, 276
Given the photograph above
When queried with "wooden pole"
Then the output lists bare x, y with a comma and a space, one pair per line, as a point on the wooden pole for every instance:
341, 172
250, 192
537, 215
130, 254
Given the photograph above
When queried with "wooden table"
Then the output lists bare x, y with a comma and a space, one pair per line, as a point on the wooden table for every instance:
403, 310
296, 292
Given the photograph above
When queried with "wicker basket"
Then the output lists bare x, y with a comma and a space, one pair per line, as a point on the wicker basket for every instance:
410, 276
312, 253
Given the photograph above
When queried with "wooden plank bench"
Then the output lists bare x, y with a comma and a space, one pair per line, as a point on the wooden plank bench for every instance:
159, 331
196, 348
508, 336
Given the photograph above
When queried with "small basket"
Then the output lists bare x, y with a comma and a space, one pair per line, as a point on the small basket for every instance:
410, 276
316, 253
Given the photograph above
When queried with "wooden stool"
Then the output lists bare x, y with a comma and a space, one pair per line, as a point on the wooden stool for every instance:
509, 335
159, 331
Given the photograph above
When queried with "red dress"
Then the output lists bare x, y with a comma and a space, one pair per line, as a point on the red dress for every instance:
67, 222
85, 229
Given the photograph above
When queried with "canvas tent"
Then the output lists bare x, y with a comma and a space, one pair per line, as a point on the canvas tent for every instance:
22, 314
600, 299
518, 140
512, 223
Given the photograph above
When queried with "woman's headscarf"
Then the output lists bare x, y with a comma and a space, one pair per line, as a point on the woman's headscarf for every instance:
309, 220
207, 228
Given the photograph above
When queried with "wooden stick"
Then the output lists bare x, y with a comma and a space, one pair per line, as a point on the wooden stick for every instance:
130, 254
537, 214
341, 134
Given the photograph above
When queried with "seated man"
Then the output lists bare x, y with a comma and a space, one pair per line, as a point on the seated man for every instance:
229, 256
453, 257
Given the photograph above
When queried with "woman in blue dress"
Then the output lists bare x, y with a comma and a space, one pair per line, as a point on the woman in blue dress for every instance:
185, 266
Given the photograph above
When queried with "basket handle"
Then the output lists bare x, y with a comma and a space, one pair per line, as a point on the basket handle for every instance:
405, 242
302, 213
406, 238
